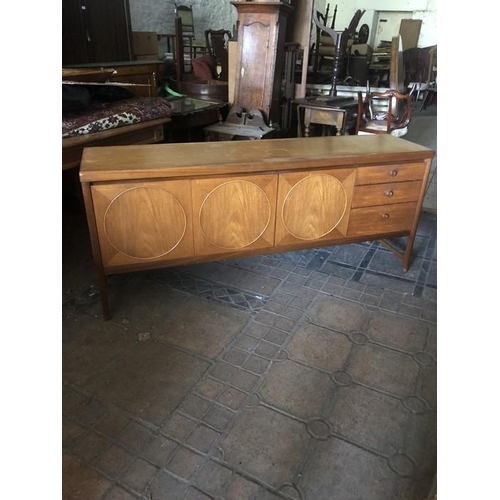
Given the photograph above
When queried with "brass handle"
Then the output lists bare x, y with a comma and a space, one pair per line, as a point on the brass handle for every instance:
389, 193
385, 216
393, 173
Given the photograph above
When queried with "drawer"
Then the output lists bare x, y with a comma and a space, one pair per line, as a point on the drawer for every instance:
144, 85
381, 219
390, 173
386, 194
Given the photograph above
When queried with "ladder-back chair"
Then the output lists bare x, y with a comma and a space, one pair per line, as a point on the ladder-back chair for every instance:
217, 47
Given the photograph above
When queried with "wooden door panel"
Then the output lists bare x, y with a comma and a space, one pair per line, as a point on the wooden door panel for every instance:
143, 222
313, 205
234, 213
74, 44
253, 80
109, 30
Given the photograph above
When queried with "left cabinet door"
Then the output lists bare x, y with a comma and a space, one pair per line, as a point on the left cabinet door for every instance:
96, 31
143, 223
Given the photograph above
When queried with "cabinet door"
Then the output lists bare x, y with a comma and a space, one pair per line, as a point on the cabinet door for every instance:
143, 222
96, 31
110, 30
234, 214
74, 41
313, 206
261, 57
254, 81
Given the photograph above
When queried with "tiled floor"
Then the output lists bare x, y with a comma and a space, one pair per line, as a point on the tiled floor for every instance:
308, 375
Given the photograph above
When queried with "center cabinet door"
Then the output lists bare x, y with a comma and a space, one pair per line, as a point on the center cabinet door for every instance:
313, 206
234, 214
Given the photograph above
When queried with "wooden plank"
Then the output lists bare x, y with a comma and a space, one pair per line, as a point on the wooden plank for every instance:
409, 30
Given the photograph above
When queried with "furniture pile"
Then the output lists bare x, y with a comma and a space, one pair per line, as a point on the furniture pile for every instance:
99, 113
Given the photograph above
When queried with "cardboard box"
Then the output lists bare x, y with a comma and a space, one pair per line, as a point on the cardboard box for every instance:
409, 29
362, 49
144, 43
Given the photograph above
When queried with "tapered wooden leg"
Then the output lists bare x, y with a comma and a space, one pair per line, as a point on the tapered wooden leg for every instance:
404, 256
102, 283
407, 254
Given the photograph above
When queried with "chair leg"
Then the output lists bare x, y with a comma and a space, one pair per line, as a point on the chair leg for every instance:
427, 99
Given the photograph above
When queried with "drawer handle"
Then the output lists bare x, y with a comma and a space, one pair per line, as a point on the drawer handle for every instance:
385, 216
389, 193
393, 173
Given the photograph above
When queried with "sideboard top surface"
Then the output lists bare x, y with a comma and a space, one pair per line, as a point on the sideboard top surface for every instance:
153, 161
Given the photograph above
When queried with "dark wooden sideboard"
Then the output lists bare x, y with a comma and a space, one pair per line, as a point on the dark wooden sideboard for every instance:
140, 77
160, 205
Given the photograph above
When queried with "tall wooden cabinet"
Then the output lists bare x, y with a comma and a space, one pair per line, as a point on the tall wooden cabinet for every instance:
96, 31
262, 28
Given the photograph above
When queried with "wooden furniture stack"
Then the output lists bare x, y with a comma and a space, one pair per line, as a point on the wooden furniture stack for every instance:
162, 205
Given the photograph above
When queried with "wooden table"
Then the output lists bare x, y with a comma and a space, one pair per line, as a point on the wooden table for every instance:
162, 205
333, 114
190, 116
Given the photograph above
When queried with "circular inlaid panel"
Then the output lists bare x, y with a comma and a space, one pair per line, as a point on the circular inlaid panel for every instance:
145, 222
235, 214
314, 206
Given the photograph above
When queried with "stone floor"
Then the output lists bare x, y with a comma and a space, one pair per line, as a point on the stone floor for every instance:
308, 375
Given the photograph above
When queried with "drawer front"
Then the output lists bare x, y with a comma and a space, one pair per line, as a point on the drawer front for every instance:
386, 194
390, 173
146, 83
325, 117
381, 219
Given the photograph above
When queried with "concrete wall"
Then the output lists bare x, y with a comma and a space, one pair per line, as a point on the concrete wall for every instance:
156, 15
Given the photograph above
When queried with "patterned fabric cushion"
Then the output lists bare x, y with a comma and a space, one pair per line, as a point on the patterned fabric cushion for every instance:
107, 115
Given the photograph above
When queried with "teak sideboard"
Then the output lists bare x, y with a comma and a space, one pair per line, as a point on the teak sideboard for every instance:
159, 205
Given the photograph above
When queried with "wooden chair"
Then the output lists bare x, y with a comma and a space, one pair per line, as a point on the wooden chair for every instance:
217, 47
430, 91
337, 47
420, 66
185, 13
387, 112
